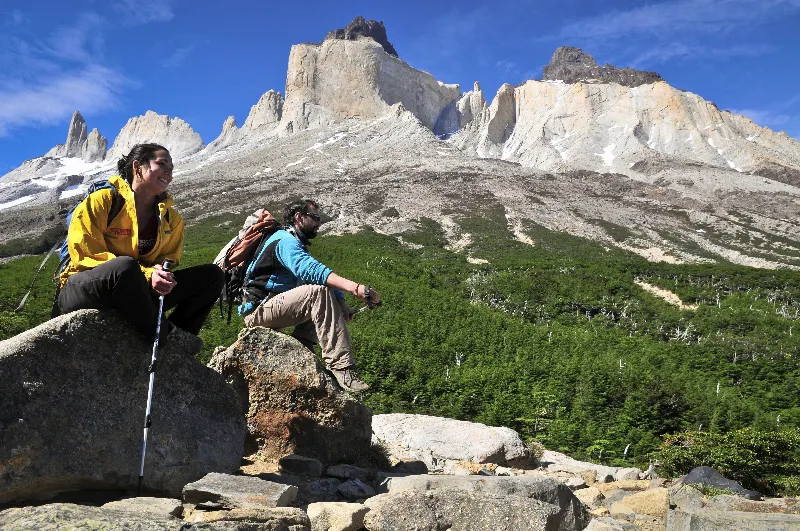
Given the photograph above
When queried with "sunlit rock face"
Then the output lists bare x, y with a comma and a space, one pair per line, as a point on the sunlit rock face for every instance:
610, 127
342, 79
172, 133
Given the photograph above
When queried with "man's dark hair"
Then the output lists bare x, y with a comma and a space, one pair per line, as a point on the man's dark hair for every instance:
298, 206
143, 153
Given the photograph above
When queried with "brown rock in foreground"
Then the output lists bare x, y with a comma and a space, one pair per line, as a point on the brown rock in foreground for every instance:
292, 405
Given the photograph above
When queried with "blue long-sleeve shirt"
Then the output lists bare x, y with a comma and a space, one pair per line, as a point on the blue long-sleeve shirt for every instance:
291, 266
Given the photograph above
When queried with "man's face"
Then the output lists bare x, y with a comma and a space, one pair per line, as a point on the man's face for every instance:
309, 222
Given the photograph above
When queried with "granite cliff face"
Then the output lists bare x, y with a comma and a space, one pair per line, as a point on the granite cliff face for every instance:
341, 79
630, 130
95, 148
172, 133
572, 65
90, 148
267, 112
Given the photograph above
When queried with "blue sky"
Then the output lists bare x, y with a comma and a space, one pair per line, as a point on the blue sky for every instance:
203, 60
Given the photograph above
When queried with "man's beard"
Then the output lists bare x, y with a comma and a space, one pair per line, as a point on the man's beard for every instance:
310, 233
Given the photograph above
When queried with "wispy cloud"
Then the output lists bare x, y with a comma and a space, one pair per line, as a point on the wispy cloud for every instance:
44, 80
178, 56
13, 18
143, 11
677, 50
449, 38
771, 119
669, 18
512, 72
680, 28
82, 41
93, 89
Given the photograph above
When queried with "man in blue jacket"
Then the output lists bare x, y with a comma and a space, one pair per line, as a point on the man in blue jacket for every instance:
287, 287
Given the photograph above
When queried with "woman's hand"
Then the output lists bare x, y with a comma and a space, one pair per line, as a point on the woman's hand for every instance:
162, 281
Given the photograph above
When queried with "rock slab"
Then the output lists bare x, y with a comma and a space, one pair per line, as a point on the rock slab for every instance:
72, 407
436, 440
238, 492
702, 520
60, 516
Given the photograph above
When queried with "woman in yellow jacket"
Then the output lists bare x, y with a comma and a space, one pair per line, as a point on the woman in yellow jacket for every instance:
116, 263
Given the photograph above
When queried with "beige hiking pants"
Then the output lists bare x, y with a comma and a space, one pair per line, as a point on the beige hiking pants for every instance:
317, 317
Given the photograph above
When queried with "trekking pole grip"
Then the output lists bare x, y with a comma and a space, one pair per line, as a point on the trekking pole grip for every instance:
167, 265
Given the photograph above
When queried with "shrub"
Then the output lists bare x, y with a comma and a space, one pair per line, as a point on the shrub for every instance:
759, 460
537, 450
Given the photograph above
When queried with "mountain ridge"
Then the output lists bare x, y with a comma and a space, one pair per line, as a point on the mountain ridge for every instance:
664, 164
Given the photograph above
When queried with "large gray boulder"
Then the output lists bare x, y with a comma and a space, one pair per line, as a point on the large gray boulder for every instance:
571, 512
437, 440
709, 477
445, 509
292, 405
72, 407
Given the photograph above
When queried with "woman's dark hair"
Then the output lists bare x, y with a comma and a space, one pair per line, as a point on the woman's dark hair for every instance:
143, 153
298, 206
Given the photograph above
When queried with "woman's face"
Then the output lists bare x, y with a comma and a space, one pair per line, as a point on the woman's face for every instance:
155, 176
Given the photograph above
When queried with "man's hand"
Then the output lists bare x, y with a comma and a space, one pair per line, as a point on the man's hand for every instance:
162, 281
369, 295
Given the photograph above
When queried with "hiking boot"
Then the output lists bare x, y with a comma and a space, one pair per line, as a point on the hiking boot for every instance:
349, 379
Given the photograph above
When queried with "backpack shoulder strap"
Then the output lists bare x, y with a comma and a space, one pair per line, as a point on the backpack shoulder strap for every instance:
117, 203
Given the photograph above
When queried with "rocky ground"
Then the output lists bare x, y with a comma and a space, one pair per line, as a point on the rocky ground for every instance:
317, 458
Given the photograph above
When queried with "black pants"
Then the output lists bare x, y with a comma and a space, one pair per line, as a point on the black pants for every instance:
119, 284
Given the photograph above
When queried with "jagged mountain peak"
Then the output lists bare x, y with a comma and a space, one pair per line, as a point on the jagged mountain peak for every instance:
571, 65
361, 28
173, 133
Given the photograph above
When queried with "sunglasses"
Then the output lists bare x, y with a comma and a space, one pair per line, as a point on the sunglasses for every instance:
313, 215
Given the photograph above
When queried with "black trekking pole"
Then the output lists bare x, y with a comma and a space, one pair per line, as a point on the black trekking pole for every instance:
152, 370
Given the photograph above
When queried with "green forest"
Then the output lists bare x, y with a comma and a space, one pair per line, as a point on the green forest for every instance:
555, 340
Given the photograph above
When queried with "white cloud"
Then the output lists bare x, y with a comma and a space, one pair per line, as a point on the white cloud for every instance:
90, 90
82, 42
138, 12
676, 17
43, 80
679, 29
17, 18
770, 119
178, 56
669, 51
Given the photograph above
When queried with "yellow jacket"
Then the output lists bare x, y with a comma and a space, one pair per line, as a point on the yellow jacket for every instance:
92, 240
